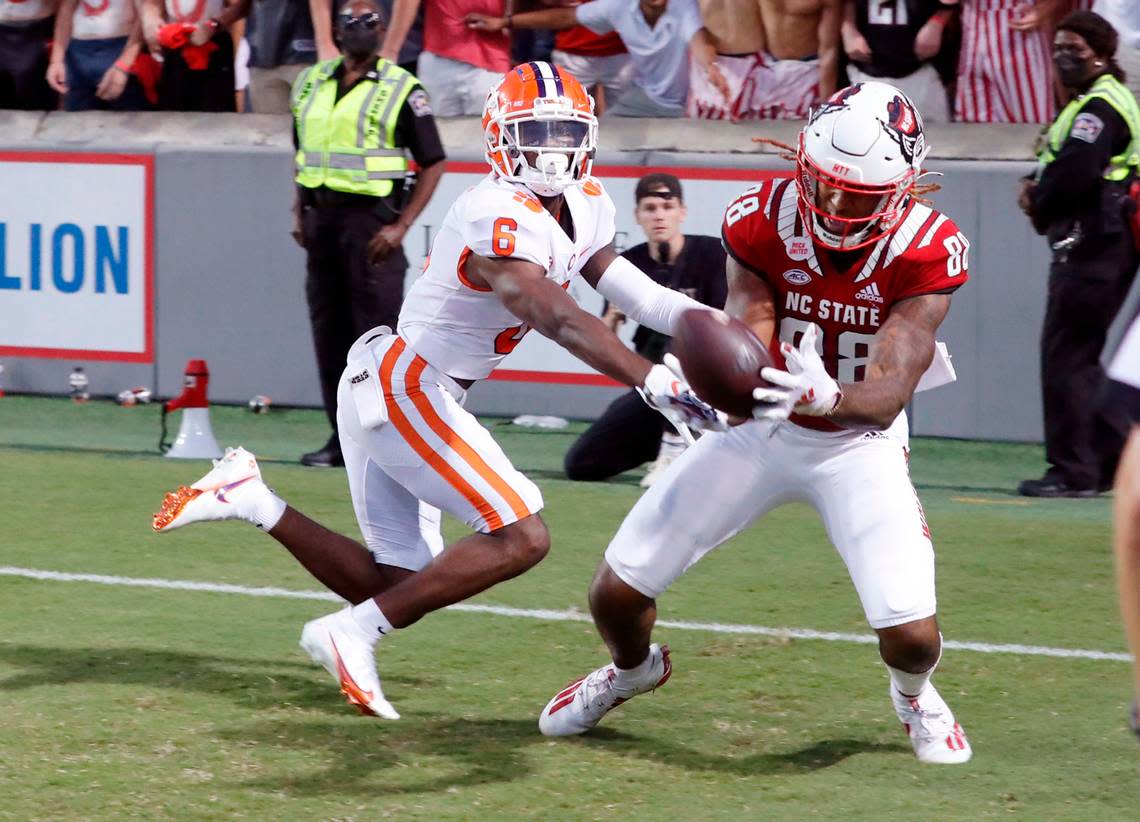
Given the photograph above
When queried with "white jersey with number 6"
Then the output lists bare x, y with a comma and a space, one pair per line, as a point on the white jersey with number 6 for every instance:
462, 328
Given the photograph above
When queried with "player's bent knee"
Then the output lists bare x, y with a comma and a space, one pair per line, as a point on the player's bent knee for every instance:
608, 590
913, 646
526, 543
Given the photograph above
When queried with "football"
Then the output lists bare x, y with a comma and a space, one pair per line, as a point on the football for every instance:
721, 358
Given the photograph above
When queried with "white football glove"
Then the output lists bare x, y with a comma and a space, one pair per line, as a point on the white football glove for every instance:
816, 393
667, 390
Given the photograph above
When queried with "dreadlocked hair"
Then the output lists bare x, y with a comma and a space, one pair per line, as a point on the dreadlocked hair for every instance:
788, 153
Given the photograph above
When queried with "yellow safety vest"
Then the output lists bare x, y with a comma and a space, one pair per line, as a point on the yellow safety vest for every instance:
348, 144
1117, 95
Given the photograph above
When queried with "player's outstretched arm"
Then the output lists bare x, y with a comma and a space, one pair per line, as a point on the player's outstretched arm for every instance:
640, 298
544, 306
901, 351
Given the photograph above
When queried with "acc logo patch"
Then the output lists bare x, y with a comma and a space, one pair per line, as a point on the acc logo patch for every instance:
419, 102
797, 277
1087, 127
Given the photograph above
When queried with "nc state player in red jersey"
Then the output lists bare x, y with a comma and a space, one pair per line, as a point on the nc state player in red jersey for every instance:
850, 276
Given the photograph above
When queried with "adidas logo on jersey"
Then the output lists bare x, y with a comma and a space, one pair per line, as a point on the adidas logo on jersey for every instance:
870, 293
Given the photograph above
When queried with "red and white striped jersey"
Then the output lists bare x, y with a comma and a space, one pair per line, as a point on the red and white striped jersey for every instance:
848, 295
1004, 75
462, 328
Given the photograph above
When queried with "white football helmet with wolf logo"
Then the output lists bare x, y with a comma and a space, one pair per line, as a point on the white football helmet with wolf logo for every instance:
866, 139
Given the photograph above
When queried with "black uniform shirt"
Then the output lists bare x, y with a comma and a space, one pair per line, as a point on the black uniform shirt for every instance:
698, 272
1070, 186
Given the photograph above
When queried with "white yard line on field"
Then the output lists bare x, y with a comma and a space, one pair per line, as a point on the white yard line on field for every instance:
557, 616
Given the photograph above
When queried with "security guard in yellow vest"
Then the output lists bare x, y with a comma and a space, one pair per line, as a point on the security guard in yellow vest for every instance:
356, 119
1078, 200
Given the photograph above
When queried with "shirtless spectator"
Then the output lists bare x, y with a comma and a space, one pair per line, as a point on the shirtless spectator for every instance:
777, 57
897, 41
599, 61
93, 54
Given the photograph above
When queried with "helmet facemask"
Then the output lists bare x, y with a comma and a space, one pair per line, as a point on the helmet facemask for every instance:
846, 233
547, 149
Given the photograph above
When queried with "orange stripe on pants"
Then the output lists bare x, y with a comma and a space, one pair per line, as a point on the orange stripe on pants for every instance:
457, 444
420, 446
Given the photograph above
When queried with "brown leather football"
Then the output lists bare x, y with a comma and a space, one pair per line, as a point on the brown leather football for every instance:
721, 358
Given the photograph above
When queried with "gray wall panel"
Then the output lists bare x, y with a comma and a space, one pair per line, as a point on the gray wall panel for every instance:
231, 279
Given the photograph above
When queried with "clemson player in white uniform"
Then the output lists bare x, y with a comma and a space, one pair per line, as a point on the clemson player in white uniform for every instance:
851, 276
499, 266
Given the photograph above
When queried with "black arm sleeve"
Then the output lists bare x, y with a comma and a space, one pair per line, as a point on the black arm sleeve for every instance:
1074, 177
418, 132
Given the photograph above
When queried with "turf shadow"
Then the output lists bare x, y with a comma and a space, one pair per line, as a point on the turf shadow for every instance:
256, 684
373, 757
815, 757
367, 757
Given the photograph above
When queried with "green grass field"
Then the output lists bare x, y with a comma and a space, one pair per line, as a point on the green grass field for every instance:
153, 703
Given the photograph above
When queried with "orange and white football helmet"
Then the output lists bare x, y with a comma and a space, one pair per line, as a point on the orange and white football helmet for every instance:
539, 128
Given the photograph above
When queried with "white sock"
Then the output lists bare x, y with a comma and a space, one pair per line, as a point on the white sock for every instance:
264, 508
371, 619
913, 685
627, 677
907, 684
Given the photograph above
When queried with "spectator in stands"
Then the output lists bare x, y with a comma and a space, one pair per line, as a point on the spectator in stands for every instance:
1125, 18
778, 58
93, 54
350, 209
197, 75
458, 65
1077, 199
898, 43
658, 34
282, 45
599, 61
25, 39
407, 52
530, 45
1004, 71
629, 432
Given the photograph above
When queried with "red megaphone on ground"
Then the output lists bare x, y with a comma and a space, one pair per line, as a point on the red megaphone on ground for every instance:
195, 437
194, 387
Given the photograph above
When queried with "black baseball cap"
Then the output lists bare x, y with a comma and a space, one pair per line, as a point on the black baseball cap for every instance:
658, 184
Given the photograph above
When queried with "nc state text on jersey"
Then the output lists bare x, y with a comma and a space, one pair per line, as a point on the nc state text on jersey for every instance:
863, 315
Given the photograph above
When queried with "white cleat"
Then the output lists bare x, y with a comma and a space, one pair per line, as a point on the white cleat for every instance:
219, 495
934, 735
338, 643
581, 705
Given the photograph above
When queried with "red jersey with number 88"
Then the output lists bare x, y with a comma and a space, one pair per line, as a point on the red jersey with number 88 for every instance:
848, 295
